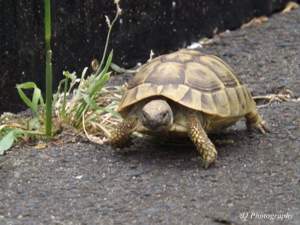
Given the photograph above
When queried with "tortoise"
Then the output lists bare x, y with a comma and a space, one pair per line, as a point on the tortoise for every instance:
185, 93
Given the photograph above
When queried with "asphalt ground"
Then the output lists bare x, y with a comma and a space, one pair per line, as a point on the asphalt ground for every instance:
256, 179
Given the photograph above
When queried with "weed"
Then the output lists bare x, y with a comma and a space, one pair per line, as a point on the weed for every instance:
84, 103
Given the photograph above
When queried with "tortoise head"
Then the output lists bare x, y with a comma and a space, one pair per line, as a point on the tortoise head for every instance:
157, 115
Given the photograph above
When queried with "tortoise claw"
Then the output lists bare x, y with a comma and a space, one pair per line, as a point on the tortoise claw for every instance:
208, 163
261, 126
254, 120
205, 164
209, 155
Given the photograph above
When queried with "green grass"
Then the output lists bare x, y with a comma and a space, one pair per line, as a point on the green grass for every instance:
85, 103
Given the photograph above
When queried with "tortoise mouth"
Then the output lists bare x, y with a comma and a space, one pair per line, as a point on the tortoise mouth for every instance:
158, 128
154, 125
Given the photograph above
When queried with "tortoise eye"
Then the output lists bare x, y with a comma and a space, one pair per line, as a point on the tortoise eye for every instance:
145, 115
165, 114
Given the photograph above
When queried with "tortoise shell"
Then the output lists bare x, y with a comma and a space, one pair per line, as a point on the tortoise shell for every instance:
197, 81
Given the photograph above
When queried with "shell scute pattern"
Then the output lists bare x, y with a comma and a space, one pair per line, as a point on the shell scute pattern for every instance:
180, 58
147, 69
170, 73
192, 79
220, 69
205, 80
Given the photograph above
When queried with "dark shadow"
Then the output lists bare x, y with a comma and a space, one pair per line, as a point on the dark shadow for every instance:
172, 151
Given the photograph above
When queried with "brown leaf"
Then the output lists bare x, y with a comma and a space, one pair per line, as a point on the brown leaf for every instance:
289, 7
255, 22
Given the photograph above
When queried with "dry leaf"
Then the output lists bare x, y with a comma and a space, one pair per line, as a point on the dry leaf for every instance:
255, 21
40, 146
290, 6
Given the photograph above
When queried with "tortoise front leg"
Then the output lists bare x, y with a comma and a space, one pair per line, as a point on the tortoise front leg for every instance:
121, 134
254, 120
203, 144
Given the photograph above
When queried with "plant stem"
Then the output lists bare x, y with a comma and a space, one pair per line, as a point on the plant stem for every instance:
110, 26
47, 21
65, 98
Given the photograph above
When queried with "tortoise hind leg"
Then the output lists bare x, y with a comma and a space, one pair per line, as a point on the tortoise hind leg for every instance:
203, 144
254, 120
121, 134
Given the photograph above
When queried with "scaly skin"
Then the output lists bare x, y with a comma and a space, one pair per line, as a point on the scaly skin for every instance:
203, 144
122, 133
254, 120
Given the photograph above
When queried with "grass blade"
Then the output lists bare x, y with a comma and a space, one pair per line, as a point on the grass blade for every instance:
7, 141
36, 98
